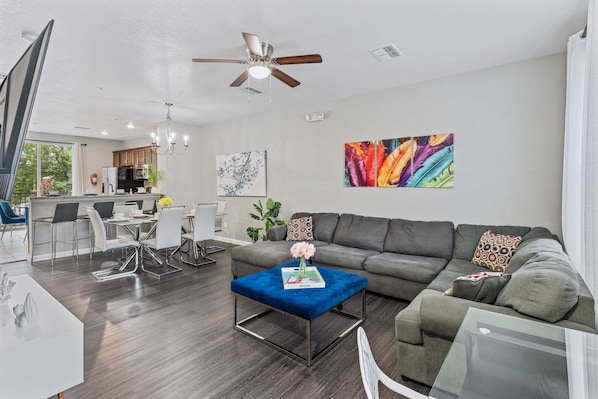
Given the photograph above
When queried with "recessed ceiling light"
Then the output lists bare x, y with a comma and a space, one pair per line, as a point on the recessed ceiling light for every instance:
130, 125
104, 132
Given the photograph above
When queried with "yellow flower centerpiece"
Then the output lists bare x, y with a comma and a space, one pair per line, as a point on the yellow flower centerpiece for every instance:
165, 201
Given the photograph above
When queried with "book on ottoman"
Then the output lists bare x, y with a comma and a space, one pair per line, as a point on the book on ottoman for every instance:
291, 281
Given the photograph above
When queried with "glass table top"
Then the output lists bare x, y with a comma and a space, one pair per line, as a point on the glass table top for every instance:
499, 356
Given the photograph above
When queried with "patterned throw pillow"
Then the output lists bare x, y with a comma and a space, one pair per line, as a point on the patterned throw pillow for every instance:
494, 250
300, 229
480, 287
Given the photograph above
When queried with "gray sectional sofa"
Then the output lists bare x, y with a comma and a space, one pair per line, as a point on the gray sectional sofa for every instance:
418, 261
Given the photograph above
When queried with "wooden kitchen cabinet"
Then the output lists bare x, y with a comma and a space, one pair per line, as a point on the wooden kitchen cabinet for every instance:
134, 156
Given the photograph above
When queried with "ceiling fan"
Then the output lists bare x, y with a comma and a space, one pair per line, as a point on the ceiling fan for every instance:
261, 64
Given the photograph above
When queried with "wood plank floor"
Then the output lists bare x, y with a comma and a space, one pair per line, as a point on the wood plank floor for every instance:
173, 338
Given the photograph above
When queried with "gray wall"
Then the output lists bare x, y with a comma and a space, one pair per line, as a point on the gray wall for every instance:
508, 125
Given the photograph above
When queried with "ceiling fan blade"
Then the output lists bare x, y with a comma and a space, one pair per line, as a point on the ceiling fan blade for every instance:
284, 78
298, 59
219, 60
254, 44
239, 81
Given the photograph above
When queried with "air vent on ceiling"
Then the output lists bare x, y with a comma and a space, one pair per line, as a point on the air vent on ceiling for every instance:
82, 128
386, 53
250, 90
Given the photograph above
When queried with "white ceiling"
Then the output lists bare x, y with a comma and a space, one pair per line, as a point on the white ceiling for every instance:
112, 61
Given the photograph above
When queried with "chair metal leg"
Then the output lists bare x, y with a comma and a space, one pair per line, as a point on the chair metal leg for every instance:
3, 230
53, 237
158, 271
114, 273
198, 251
212, 249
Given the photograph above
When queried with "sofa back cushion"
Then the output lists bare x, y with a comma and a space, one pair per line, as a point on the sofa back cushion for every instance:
527, 249
409, 237
323, 224
545, 287
361, 232
467, 237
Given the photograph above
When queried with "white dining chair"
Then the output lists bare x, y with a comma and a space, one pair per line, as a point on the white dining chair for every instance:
203, 229
371, 373
166, 236
219, 225
102, 243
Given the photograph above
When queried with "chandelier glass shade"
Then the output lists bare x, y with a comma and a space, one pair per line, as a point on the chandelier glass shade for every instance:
164, 142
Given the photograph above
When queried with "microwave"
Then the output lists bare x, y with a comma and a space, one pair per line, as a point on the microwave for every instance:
141, 172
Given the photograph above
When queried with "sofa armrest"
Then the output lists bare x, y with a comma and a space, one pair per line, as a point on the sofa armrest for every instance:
277, 233
442, 315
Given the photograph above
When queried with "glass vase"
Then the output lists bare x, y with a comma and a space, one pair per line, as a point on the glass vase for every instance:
302, 273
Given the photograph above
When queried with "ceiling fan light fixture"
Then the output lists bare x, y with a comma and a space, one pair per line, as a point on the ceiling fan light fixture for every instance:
259, 71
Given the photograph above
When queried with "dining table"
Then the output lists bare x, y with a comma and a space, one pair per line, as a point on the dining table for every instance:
132, 224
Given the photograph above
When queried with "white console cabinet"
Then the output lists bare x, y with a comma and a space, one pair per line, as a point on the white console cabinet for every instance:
43, 359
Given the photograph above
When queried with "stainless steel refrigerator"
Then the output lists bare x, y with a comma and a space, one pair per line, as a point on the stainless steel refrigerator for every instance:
109, 180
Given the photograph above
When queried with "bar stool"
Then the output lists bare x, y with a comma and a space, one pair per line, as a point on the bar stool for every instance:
63, 213
104, 208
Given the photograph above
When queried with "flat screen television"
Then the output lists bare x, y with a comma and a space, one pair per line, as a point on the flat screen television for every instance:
17, 93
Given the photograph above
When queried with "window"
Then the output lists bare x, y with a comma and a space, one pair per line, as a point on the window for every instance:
43, 167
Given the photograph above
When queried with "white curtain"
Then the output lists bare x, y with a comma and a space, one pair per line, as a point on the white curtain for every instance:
77, 169
574, 160
580, 177
591, 174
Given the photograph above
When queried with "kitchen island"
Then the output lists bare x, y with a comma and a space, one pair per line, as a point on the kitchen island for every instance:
43, 207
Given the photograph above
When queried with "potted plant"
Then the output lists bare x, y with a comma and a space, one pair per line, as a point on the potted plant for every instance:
268, 215
154, 175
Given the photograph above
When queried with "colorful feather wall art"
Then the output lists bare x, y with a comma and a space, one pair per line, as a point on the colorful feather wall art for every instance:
422, 161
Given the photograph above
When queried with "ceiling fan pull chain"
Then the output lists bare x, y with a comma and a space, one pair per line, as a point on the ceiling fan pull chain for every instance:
248, 89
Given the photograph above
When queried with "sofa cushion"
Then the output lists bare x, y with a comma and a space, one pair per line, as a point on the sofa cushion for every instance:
527, 249
361, 232
324, 224
494, 250
266, 253
420, 269
546, 287
420, 238
337, 255
300, 229
480, 287
276, 233
463, 267
467, 237
444, 280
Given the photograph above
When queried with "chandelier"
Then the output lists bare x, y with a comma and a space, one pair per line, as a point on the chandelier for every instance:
165, 143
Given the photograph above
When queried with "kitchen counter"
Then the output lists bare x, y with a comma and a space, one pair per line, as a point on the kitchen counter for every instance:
41, 207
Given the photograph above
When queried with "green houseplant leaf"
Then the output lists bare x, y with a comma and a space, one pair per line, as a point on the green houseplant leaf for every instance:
154, 175
268, 215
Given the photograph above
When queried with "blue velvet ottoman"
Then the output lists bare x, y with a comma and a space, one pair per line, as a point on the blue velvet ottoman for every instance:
305, 304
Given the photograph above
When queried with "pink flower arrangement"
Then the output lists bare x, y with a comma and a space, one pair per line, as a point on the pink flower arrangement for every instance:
45, 186
303, 249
